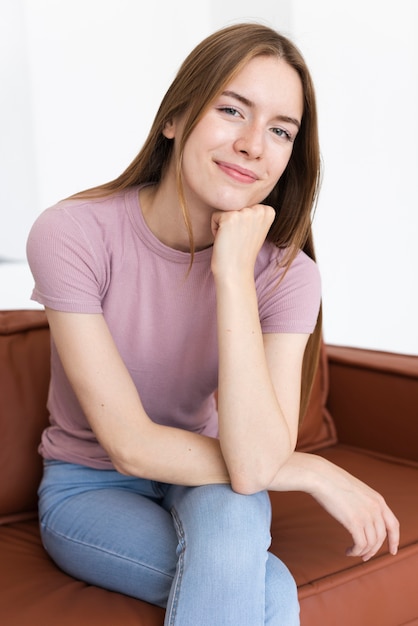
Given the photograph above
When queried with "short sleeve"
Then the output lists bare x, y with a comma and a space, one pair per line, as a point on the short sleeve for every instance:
67, 262
289, 301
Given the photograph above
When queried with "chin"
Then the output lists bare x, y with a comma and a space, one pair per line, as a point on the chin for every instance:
234, 203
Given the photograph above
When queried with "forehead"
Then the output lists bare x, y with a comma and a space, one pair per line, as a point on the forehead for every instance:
268, 81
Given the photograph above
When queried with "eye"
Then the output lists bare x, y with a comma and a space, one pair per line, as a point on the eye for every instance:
282, 133
230, 110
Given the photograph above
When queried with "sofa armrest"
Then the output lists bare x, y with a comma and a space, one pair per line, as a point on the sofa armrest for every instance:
373, 399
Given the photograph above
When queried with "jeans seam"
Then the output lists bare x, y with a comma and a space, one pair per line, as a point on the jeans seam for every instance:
172, 610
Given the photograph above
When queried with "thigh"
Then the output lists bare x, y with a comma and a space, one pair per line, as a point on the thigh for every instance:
108, 530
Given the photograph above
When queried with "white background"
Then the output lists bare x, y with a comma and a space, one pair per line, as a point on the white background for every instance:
81, 81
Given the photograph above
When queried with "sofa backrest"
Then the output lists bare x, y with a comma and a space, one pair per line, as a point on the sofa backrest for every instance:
24, 379
24, 376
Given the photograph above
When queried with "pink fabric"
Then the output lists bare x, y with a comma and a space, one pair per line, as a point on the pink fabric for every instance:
99, 256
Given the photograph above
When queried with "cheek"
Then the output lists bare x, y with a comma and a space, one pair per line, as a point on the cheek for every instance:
207, 137
280, 162
200, 149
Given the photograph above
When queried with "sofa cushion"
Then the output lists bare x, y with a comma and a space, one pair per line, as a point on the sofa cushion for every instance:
24, 378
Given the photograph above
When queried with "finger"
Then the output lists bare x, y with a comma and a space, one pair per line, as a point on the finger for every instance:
359, 541
368, 535
376, 535
215, 221
387, 526
393, 530
268, 213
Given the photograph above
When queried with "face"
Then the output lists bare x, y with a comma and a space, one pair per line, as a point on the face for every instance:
239, 149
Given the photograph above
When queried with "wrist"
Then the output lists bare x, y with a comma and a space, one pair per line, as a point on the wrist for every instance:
302, 472
234, 279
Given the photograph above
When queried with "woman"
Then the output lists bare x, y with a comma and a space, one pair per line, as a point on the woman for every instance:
193, 272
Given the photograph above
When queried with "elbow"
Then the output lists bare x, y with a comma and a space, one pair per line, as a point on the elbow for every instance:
125, 464
248, 479
120, 464
249, 484
121, 467
246, 488
129, 457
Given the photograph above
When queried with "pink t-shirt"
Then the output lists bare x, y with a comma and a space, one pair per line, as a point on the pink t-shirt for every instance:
99, 256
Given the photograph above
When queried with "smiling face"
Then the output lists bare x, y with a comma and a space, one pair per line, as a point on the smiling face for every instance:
240, 147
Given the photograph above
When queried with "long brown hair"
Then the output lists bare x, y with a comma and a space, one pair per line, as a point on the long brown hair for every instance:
200, 79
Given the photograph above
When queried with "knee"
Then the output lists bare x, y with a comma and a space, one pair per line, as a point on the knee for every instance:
229, 520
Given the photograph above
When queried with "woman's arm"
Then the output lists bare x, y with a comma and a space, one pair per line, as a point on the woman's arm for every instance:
136, 445
360, 509
259, 377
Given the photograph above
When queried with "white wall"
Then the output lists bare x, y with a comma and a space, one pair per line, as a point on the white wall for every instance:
83, 79
18, 177
364, 58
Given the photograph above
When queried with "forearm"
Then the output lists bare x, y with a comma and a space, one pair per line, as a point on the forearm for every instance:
140, 447
254, 435
172, 455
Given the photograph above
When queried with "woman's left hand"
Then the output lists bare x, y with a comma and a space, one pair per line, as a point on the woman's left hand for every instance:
363, 512
359, 508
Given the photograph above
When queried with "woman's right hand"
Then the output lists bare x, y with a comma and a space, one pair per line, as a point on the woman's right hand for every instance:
239, 236
358, 507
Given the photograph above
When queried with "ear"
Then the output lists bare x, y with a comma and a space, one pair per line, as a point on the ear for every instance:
169, 130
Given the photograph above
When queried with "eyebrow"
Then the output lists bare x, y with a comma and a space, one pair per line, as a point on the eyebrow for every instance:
249, 103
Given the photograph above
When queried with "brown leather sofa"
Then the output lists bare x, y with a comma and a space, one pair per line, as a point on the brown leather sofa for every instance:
363, 416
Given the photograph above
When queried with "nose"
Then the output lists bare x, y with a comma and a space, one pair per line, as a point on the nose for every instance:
250, 142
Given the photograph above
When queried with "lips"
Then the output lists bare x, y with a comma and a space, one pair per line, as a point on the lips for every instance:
240, 174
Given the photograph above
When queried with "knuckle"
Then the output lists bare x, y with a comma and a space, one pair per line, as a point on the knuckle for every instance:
271, 212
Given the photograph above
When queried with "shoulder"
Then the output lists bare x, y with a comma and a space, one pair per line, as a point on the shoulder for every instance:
83, 212
84, 226
70, 249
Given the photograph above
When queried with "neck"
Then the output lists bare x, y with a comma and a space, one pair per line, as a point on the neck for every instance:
163, 215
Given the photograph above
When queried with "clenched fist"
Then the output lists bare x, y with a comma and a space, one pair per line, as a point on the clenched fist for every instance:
239, 236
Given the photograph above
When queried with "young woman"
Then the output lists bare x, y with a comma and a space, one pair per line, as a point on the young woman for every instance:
193, 273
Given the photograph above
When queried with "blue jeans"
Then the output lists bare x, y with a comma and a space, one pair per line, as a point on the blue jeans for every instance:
201, 552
